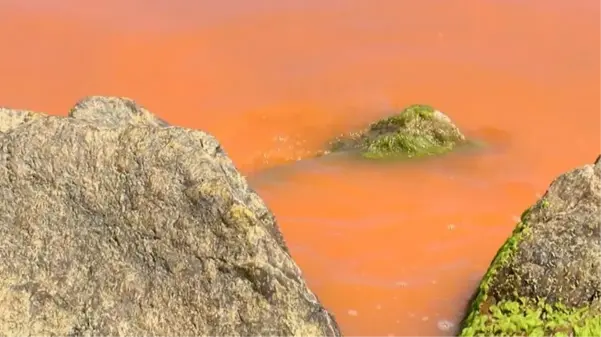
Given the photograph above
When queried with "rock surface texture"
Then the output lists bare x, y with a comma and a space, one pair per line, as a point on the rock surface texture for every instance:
546, 279
114, 223
417, 131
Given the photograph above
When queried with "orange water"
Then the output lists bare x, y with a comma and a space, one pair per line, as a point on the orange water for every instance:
390, 249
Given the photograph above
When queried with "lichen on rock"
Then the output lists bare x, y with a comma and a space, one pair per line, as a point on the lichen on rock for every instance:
417, 131
546, 279
114, 223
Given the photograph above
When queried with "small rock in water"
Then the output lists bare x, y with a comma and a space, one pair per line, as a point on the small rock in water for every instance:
416, 131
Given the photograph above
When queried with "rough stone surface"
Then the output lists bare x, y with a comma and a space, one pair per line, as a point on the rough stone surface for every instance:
11, 118
113, 110
546, 279
114, 223
416, 131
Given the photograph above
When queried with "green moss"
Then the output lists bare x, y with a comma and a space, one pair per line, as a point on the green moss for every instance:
401, 119
527, 317
407, 145
417, 131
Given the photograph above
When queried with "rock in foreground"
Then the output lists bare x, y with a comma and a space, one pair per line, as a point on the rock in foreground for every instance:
546, 279
113, 223
417, 131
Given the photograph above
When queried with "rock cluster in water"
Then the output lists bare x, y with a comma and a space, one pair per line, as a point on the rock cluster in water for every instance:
416, 131
114, 223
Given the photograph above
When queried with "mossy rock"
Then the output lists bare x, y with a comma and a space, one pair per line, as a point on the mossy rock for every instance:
417, 131
546, 279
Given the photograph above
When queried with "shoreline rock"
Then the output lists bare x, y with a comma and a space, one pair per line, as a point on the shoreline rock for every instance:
112, 222
546, 279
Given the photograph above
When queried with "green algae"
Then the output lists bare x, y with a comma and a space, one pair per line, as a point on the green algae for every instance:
401, 119
527, 317
409, 145
519, 315
417, 131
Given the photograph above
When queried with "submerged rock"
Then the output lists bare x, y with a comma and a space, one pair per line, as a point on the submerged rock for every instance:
418, 130
546, 279
114, 223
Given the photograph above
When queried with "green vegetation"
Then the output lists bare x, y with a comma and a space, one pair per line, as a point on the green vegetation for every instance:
407, 145
527, 317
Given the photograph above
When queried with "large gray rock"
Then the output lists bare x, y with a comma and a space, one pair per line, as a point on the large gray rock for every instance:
546, 279
114, 223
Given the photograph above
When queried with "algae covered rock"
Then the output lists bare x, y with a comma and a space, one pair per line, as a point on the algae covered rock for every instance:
114, 223
418, 130
546, 279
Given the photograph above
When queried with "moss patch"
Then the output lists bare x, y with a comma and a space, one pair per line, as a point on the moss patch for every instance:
526, 317
417, 131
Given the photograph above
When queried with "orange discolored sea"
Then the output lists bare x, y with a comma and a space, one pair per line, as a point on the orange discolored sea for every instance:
394, 249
